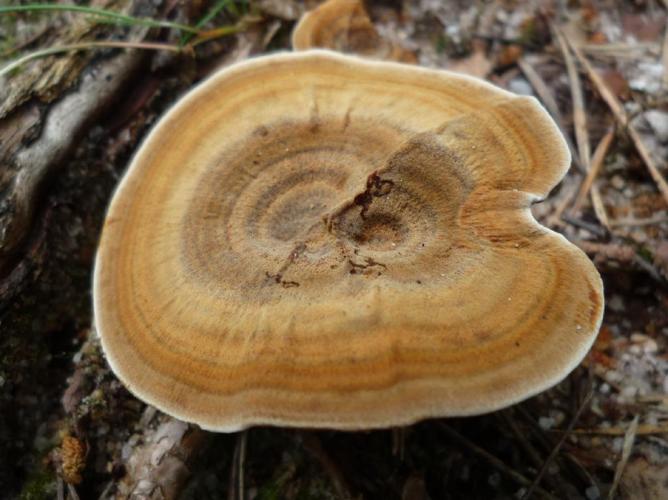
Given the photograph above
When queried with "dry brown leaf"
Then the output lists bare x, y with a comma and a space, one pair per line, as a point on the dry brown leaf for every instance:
616, 83
477, 64
661, 258
644, 28
644, 481
508, 55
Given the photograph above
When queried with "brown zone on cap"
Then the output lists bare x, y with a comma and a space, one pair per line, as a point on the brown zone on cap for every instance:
307, 195
376, 269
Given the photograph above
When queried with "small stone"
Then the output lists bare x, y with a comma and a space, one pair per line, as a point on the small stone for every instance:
629, 392
616, 303
520, 86
617, 444
647, 344
648, 77
658, 120
593, 493
635, 349
546, 423
617, 182
632, 107
639, 236
559, 418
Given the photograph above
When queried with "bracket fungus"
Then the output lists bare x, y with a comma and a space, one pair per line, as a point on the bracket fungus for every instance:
345, 26
319, 240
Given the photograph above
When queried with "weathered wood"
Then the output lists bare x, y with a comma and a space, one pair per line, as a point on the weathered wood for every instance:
36, 137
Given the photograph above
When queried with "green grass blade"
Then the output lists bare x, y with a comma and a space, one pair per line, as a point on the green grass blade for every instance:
140, 21
84, 46
213, 12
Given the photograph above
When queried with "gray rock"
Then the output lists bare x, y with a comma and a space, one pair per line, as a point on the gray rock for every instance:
658, 120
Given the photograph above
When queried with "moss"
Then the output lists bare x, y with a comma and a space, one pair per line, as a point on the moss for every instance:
645, 253
273, 490
40, 486
317, 489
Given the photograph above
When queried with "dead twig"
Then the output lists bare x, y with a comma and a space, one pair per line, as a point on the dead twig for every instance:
649, 162
596, 163
72, 492
491, 459
632, 222
555, 450
641, 430
163, 462
242, 461
313, 445
522, 438
619, 49
592, 228
561, 200
629, 439
541, 89
399, 442
579, 114
621, 253
546, 97
547, 444
607, 251
580, 124
650, 269
237, 488
664, 56
60, 489
61, 128
622, 118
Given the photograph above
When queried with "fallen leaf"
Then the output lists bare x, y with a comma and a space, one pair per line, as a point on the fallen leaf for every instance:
643, 28
477, 64
508, 55
616, 83
644, 481
597, 37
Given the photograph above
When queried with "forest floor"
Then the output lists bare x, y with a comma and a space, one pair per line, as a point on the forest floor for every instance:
68, 428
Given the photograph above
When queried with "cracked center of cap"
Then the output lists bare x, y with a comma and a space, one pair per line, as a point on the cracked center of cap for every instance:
294, 205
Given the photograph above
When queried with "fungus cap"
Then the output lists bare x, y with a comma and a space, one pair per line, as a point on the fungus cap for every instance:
318, 240
345, 26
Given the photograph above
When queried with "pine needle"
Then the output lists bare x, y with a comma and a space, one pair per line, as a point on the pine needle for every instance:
85, 46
